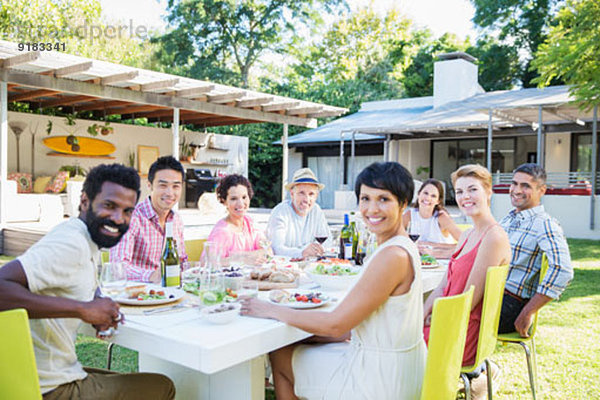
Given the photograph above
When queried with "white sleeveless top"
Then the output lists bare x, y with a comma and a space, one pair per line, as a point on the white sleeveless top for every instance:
429, 228
384, 360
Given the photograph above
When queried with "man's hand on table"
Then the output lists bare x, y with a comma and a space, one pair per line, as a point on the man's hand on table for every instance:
313, 250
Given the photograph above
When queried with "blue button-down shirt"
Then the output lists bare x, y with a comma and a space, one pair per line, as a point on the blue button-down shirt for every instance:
533, 232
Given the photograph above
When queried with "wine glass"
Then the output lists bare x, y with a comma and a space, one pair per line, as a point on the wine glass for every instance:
249, 288
414, 230
113, 281
265, 244
321, 235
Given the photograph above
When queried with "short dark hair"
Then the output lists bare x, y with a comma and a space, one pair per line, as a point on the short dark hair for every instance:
165, 162
536, 171
389, 176
440, 188
115, 173
231, 181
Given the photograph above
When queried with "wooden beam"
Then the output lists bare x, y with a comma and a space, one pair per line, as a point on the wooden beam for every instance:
116, 78
226, 97
32, 94
101, 105
232, 122
131, 110
280, 106
325, 114
166, 113
257, 101
20, 59
72, 69
147, 87
117, 93
195, 91
66, 100
304, 110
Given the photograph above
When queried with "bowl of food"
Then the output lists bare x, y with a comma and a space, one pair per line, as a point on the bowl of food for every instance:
221, 313
333, 274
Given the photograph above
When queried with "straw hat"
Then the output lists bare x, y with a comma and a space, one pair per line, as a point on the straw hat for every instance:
304, 175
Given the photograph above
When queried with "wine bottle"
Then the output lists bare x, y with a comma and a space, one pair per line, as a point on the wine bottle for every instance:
170, 269
353, 235
346, 240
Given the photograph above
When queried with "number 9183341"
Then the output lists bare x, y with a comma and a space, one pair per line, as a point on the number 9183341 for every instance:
42, 46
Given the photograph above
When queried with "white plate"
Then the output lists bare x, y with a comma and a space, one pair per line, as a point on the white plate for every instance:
430, 266
177, 294
300, 305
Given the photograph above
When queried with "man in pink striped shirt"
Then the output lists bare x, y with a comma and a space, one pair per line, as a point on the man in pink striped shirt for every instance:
141, 247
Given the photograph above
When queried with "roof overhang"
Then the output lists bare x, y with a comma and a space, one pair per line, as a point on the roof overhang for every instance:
53, 79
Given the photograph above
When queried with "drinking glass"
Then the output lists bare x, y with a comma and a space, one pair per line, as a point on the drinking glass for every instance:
249, 288
414, 230
321, 235
113, 281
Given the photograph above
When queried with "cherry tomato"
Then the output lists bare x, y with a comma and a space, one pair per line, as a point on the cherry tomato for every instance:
152, 292
316, 300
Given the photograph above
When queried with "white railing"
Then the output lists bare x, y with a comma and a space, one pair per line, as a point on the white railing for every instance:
555, 179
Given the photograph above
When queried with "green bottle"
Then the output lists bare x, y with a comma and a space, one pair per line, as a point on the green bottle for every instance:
346, 240
170, 269
353, 234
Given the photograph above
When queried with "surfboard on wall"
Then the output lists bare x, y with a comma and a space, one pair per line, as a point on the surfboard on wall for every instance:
87, 146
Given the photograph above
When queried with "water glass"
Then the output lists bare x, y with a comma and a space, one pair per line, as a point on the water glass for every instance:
113, 281
248, 288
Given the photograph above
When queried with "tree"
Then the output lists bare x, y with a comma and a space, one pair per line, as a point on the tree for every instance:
572, 51
418, 79
223, 39
498, 64
522, 24
77, 24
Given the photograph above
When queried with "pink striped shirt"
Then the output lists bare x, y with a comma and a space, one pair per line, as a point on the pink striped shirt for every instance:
142, 245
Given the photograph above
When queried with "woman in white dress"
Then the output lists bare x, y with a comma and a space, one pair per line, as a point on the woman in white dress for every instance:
434, 224
381, 315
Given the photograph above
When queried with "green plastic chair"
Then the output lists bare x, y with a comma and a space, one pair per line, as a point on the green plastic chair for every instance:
18, 372
447, 335
515, 337
495, 281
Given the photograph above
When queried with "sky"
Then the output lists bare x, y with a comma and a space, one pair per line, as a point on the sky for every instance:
440, 16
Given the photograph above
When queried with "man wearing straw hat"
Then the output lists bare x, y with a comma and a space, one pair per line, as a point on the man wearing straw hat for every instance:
294, 223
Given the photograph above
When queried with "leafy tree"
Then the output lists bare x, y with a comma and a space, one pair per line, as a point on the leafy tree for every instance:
77, 23
418, 79
522, 24
572, 51
498, 64
223, 39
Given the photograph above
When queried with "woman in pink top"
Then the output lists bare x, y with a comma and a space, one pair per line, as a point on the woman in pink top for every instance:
235, 234
484, 245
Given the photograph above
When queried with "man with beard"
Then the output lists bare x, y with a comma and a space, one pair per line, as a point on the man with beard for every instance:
56, 282
142, 246
532, 232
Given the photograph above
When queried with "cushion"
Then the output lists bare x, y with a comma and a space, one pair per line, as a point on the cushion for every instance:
24, 181
58, 182
39, 186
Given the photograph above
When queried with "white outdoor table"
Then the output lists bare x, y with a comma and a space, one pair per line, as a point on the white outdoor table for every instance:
207, 361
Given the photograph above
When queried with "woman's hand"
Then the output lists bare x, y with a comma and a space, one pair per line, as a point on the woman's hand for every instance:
253, 307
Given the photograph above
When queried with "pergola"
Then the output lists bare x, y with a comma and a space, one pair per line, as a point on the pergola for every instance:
54, 79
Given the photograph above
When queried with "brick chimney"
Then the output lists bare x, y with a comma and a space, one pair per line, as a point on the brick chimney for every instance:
454, 78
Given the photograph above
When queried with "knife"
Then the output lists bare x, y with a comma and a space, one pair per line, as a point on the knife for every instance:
163, 309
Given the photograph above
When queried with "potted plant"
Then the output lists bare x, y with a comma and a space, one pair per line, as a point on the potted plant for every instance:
185, 150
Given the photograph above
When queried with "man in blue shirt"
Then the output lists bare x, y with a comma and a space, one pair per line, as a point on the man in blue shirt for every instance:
532, 232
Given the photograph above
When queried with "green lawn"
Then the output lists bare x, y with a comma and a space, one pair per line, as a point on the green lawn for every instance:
568, 345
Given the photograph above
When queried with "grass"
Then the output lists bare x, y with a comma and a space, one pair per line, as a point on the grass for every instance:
568, 349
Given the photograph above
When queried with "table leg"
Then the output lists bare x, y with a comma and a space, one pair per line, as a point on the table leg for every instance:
242, 381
